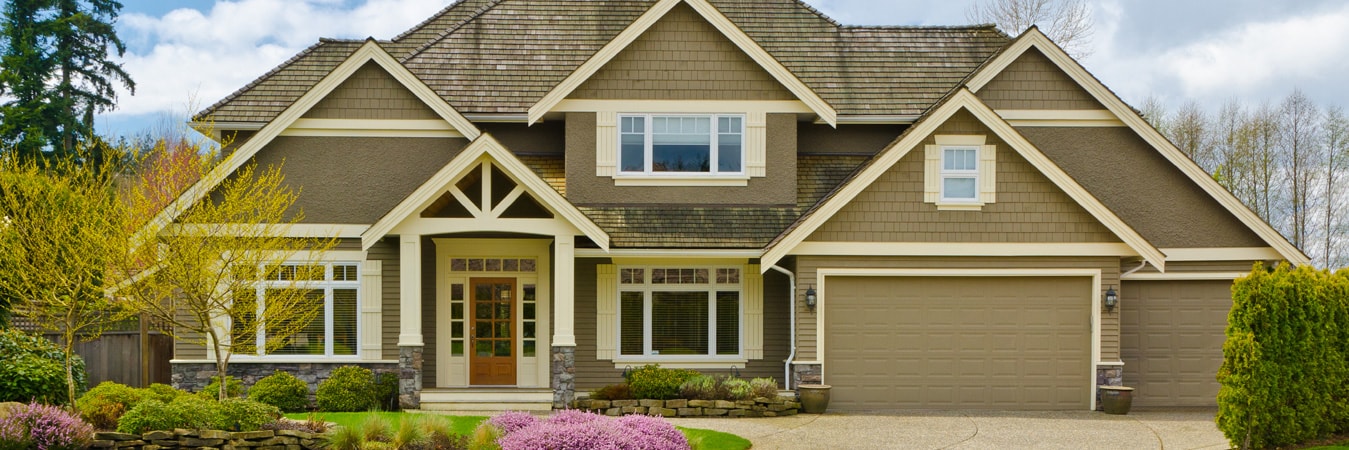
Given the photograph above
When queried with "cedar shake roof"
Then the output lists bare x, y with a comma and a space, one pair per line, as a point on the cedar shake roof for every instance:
502, 56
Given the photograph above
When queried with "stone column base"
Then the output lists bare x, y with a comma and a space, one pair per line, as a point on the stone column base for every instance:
410, 377
1107, 376
806, 374
563, 376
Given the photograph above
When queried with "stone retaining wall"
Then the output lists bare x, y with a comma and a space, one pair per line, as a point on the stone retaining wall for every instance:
211, 439
194, 377
759, 407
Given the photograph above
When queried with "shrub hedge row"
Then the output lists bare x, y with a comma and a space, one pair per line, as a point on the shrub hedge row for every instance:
1286, 358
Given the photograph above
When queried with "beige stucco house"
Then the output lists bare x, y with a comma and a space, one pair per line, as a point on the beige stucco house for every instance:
534, 195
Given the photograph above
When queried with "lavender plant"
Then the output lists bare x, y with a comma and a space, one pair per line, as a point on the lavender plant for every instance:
43, 427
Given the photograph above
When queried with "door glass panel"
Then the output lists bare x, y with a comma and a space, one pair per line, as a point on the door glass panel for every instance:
529, 292
528, 332
503, 330
503, 310
457, 311
529, 348
482, 293
482, 311
483, 348
528, 312
457, 348
456, 292
503, 348
482, 329
457, 329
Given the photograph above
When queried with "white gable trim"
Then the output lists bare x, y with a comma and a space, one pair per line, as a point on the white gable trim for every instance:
963, 99
710, 13
488, 147
1033, 38
370, 51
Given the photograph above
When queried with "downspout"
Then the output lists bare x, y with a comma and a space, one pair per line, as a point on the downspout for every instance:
1141, 265
787, 364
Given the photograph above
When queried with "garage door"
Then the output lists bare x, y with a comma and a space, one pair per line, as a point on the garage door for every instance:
1171, 340
958, 342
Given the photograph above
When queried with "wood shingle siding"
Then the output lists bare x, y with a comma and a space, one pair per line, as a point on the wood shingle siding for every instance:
1136, 182
1034, 82
371, 93
682, 57
354, 179
1029, 207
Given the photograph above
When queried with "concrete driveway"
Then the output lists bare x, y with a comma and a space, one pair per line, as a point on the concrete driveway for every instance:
1190, 429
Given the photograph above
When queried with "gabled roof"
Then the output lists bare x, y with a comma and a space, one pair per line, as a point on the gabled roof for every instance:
1035, 39
487, 146
367, 52
962, 99
503, 57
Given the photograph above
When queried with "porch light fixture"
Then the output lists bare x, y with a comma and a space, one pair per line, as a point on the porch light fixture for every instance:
1111, 298
810, 298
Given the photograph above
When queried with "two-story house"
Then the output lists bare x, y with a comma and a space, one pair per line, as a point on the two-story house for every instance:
535, 195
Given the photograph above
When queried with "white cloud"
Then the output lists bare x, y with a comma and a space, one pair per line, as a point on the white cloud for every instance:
202, 57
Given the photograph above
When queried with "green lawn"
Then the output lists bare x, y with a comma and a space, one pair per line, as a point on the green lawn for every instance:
699, 439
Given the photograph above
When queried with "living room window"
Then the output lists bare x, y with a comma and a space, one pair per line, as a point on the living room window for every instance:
674, 312
332, 332
681, 144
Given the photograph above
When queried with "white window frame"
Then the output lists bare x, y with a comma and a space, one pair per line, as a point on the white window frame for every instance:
960, 174
711, 288
713, 151
327, 285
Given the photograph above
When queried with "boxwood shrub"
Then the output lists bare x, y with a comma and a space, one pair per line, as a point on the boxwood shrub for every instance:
33, 369
655, 382
197, 412
233, 388
282, 390
349, 388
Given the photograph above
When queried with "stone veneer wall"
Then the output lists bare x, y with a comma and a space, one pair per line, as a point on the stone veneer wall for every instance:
563, 382
195, 376
257, 440
1107, 376
806, 374
410, 377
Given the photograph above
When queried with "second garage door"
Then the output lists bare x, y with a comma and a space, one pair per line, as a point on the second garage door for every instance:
1171, 340
958, 342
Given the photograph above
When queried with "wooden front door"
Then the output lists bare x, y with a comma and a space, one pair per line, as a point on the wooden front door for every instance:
492, 360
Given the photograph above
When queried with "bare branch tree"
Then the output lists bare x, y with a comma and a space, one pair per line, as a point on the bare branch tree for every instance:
1301, 151
1336, 228
1189, 130
1154, 111
1067, 22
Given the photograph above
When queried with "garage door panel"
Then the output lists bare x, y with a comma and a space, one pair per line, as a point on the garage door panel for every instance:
980, 343
1171, 340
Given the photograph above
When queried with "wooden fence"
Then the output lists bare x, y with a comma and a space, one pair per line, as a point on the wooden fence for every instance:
116, 356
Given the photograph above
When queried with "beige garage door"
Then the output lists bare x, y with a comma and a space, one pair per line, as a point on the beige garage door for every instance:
1171, 340
958, 342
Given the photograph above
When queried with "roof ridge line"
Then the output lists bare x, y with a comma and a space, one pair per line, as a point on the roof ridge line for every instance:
264, 76
982, 26
424, 23
819, 13
448, 31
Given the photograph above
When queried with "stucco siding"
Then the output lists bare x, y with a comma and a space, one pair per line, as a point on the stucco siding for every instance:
1136, 182
777, 188
1035, 82
1029, 207
682, 57
371, 93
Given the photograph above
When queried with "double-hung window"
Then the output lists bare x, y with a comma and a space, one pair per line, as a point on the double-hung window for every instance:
681, 144
680, 312
960, 174
331, 287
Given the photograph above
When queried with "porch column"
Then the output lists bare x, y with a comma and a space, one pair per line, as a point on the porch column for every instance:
410, 290
564, 291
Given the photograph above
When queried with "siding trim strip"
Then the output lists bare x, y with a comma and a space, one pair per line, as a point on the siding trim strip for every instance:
1034, 38
910, 140
708, 12
963, 249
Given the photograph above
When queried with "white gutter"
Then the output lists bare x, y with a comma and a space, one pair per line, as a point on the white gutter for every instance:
787, 364
1141, 265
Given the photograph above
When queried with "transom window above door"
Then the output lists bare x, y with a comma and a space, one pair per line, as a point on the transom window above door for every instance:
682, 144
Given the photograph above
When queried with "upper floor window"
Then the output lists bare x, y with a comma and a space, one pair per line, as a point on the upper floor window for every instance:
681, 144
960, 174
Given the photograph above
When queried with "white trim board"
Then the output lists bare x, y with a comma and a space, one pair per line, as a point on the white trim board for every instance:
372, 128
1183, 276
665, 253
370, 51
962, 249
1034, 38
1060, 117
722, 24
913, 138
822, 275
1223, 254
683, 106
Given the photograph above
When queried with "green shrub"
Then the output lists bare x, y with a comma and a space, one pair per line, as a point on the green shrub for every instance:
618, 391
281, 390
33, 369
737, 389
161, 392
233, 388
764, 387
148, 415
237, 414
701, 387
654, 382
386, 391
1286, 358
349, 388
106, 403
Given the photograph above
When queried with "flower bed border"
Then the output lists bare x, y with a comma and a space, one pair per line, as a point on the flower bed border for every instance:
758, 407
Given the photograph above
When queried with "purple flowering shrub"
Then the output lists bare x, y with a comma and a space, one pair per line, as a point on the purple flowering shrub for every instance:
43, 427
571, 429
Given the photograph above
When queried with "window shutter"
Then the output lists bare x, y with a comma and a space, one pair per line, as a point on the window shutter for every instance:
988, 172
606, 143
372, 302
932, 174
753, 283
756, 144
606, 307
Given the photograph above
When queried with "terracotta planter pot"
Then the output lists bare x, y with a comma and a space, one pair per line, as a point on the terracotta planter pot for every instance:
814, 398
1117, 399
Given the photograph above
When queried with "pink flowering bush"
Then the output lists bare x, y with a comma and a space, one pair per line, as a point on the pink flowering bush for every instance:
567, 430
43, 427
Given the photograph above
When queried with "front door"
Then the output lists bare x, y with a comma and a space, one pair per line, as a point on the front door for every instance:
492, 361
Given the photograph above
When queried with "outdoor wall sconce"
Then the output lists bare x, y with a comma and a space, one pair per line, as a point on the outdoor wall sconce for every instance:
810, 298
1111, 298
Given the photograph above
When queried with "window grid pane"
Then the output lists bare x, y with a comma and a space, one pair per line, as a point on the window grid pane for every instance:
331, 288
679, 323
344, 322
728, 323
681, 144
630, 323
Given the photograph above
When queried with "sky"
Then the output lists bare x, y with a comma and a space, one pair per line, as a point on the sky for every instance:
186, 54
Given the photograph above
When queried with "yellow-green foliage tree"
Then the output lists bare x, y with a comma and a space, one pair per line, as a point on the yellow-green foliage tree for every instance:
62, 228
201, 256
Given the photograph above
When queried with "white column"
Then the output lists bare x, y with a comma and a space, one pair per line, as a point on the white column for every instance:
410, 290
564, 291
